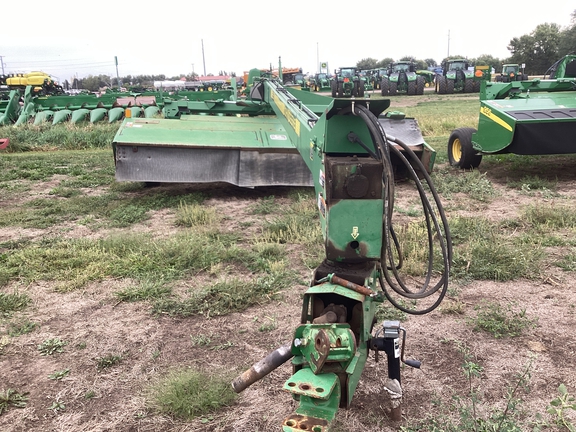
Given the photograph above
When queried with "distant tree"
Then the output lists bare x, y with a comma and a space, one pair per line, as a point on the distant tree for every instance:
94, 83
567, 43
385, 62
538, 50
367, 63
488, 60
431, 62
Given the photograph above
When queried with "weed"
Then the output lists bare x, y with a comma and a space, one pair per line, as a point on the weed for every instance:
534, 182
51, 346
200, 340
268, 326
12, 398
226, 296
474, 183
20, 328
471, 406
558, 407
147, 290
264, 206
58, 375
194, 214
12, 302
57, 406
189, 393
108, 361
500, 321
90, 394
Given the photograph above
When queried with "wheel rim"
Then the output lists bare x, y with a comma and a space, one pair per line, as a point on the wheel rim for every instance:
456, 150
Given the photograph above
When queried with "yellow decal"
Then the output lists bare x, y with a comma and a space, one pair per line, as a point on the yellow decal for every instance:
287, 113
488, 113
355, 232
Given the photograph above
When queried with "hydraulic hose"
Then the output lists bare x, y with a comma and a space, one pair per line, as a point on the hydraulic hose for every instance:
389, 269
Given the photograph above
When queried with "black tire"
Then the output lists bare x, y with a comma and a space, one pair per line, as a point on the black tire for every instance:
356, 89
340, 89
361, 90
499, 78
449, 86
440, 84
476, 86
468, 86
385, 86
393, 88
461, 154
333, 87
420, 84
411, 88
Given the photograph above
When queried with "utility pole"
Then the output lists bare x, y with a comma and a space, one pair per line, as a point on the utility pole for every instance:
448, 44
117, 76
2, 62
203, 60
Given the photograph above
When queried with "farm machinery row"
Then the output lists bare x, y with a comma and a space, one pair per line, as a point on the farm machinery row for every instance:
19, 107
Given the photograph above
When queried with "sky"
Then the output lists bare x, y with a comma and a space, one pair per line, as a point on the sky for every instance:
183, 37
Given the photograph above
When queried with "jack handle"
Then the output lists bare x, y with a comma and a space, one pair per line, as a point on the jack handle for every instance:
413, 363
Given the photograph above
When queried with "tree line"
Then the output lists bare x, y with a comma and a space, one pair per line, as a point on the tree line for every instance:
538, 50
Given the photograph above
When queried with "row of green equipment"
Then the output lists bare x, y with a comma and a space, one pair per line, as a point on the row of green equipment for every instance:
21, 107
351, 152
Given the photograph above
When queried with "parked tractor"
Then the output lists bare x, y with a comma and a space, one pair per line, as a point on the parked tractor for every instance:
534, 117
511, 72
456, 77
402, 78
320, 82
346, 83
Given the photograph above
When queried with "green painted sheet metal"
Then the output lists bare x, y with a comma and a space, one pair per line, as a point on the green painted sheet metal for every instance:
205, 131
539, 118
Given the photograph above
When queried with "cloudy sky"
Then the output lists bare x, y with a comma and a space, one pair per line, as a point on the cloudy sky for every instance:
172, 38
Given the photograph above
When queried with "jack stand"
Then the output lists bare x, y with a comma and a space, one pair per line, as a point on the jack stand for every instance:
389, 343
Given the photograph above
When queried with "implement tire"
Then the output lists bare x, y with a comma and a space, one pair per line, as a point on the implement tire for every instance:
461, 154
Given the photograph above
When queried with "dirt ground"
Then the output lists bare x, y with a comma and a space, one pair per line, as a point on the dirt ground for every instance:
94, 324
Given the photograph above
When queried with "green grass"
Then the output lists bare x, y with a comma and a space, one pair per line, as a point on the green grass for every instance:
189, 393
27, 138
500, 320
12, 302
226, 296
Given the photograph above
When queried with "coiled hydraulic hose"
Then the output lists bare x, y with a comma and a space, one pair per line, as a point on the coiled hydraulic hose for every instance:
436, 222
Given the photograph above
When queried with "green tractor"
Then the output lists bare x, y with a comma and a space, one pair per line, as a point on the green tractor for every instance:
456, 77
511, 72
347, 83
402, 79
320, 82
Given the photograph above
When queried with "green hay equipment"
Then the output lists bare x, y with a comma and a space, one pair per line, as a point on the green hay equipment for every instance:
350, 151
535, 117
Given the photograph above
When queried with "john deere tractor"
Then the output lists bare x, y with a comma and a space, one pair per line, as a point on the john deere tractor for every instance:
347, 83
511, 72
456, 77
402, 78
